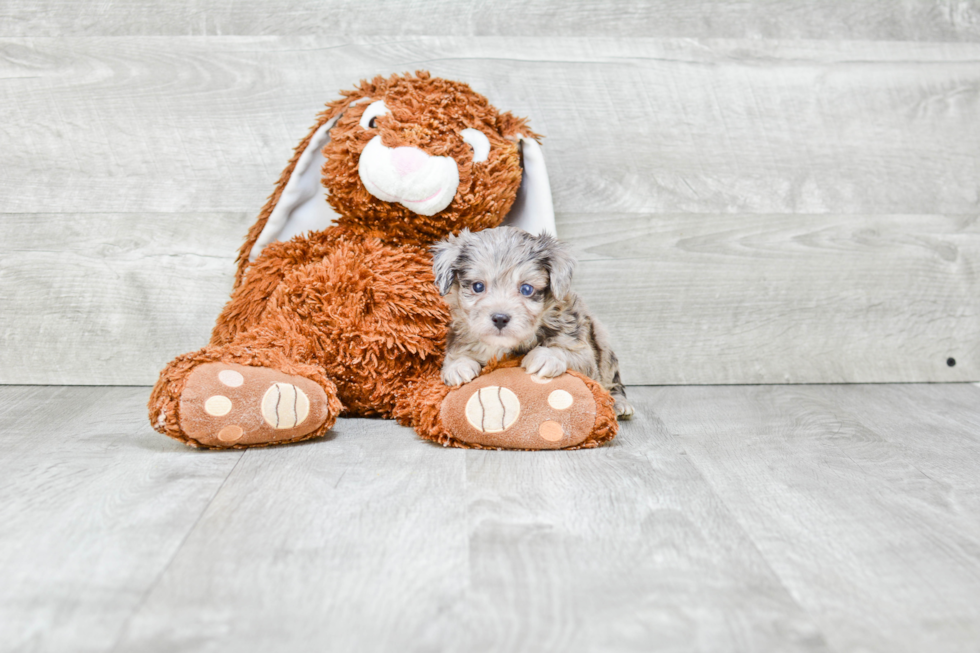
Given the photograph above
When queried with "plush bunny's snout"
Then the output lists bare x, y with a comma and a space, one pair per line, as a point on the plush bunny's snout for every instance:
408, 176
408, 159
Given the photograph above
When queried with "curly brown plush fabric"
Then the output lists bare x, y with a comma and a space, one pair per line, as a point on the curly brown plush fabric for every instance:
354, 307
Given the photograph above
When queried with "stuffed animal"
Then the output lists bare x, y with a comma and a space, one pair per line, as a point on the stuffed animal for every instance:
334, 309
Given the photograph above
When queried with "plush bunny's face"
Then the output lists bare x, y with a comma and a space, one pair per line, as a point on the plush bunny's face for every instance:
419, 158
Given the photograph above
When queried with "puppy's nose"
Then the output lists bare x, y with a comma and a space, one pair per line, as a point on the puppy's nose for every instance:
500, 320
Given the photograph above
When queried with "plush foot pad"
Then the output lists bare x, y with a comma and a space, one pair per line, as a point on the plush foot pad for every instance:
224, 405
511, 409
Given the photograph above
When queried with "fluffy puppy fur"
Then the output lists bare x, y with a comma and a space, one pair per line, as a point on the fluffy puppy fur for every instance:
510, 293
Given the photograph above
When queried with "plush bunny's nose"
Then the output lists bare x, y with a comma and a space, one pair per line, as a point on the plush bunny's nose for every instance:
408, 159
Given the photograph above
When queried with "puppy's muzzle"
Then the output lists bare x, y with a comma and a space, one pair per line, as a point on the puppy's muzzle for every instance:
500, 320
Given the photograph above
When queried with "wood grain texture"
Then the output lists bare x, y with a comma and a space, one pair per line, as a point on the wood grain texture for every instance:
624, 548
110, 298
133, 166
931, 20
927, 425
94, 505
881, 553
688, 298
173, 124
784, 299
738, 518
352, 543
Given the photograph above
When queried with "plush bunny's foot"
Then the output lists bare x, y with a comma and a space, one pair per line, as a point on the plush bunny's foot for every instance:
511, 409
228, 405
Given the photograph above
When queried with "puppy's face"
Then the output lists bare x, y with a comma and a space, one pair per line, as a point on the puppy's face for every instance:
502, 299
500, 282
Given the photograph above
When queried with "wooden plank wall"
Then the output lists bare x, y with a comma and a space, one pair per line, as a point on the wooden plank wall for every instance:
760, 192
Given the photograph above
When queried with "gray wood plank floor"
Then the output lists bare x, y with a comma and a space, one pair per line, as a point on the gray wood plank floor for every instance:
738, 518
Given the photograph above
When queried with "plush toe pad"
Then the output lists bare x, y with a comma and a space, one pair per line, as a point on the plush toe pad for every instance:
224, 405
511, 409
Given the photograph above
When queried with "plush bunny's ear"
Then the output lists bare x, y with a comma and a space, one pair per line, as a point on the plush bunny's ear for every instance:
533, 210
303, 205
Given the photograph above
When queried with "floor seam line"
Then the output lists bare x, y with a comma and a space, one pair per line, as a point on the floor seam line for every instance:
156, 581
679, 439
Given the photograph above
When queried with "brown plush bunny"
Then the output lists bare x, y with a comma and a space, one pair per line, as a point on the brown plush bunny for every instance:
335, 310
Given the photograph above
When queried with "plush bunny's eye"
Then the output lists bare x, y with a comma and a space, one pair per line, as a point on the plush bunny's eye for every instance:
479, 142
374, 110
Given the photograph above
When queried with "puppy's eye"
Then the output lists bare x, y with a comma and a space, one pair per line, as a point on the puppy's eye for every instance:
478, 287
370, 115
527, 290
479, 142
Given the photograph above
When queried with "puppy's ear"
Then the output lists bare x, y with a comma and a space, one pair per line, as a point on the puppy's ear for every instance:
560, 264
445, 254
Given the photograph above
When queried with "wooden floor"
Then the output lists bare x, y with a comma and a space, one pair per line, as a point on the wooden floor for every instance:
725, 518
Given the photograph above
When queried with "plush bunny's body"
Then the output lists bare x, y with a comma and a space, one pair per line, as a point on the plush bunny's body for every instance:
335, 308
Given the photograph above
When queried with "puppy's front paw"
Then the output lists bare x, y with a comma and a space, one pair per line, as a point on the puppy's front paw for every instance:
623, 408
544, 362
460, 371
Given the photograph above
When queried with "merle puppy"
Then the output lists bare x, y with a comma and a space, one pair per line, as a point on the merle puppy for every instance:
510, 293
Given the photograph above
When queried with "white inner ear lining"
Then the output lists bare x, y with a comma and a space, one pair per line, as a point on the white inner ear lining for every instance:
533, 210
302, 205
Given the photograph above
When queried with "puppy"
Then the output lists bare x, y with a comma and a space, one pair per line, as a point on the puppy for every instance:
510, 293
